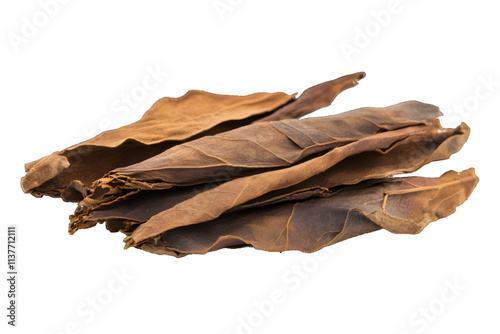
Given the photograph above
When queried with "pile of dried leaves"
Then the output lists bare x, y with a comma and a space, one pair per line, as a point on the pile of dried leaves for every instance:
205, 171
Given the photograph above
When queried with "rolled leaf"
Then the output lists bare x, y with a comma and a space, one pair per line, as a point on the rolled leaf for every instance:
254, 148
404, 156
214, 202
70, 172
399, 205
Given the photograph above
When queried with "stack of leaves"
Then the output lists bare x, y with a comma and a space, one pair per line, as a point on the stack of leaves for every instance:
206, 171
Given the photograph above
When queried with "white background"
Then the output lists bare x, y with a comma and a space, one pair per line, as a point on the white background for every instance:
62, 81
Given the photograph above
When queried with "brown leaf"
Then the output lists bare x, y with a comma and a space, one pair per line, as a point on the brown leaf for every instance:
170, 121
400, 205
404, 156
214, 202
255, 148
316, 97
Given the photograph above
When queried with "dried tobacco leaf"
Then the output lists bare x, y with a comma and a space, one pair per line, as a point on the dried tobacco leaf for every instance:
214, 202
70, 172
399, 205
315, 98
289, 184
404, 156
254, 148
168, 122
